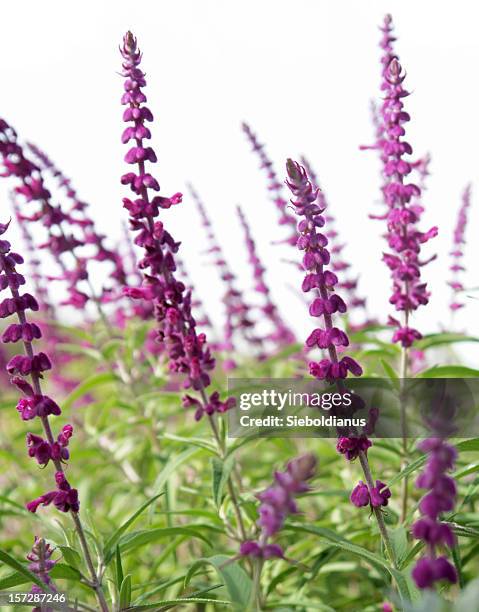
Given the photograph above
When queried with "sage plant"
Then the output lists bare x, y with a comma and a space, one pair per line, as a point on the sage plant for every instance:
187, 350
457, 253
274, 186
281, 334
325, 304
27, 370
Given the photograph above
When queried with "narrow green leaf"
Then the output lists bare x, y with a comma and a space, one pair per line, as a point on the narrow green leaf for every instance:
449, 371
115, 537
236, 580
409, 469
221, 473
125, 592
119, 568
132, 541
22, 569
65, 572
71, 556
87, 385
167, 603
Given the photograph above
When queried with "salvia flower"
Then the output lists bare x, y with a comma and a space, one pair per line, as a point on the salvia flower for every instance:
338, 264
41, 564
404, 238
441, 497
34, 404
320, 279
275, 187
277, 502
187, 350
281, 334
457, 253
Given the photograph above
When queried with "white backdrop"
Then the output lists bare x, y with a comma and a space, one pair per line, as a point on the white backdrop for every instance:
301, 73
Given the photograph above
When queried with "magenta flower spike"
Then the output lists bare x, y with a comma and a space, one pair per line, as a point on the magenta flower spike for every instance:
41, 564
277, 502
196, 303
34, 404
338, 264
78, 216
275, 187
327, 303
32, 188
238, 316
441, 497
187, 350
281, 334
404, 238
457, 253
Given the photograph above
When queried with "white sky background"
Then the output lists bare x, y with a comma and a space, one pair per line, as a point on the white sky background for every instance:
301, 72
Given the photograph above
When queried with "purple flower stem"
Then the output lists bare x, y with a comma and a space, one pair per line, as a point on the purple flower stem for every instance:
35, 378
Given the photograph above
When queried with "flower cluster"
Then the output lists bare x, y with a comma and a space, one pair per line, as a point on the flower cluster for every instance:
441, 497
34, 404
315, 260
277, 502
238, 312
41, 564
457, 253
187, 350
376, 496
404, 238
78, 216
275, 187
31, 189
281, 334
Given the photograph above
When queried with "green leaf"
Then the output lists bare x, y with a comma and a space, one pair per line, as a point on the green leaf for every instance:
125, 592
22, 569
119, 568
87, 385
132, 541
65, 572
468, 445
167, 603
409, 469
71, 556
113, 540
399, 543
12, 580
449, 371
402, 582
236, 580
221, 473
441, 339
390, 373
171, 466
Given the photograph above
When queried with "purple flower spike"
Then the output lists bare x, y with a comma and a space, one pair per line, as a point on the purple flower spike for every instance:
187, 350
238, 312
31, 364
277, 502
339, 264
441, 497
316, 257
41, 564
275, 187
281, 334
457, 252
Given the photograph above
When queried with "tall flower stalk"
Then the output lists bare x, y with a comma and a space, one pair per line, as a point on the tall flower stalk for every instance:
327, 302
27, 371
457, 253
281, 334
187, 350
404, 238
238, 315
274, 185
339, 264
